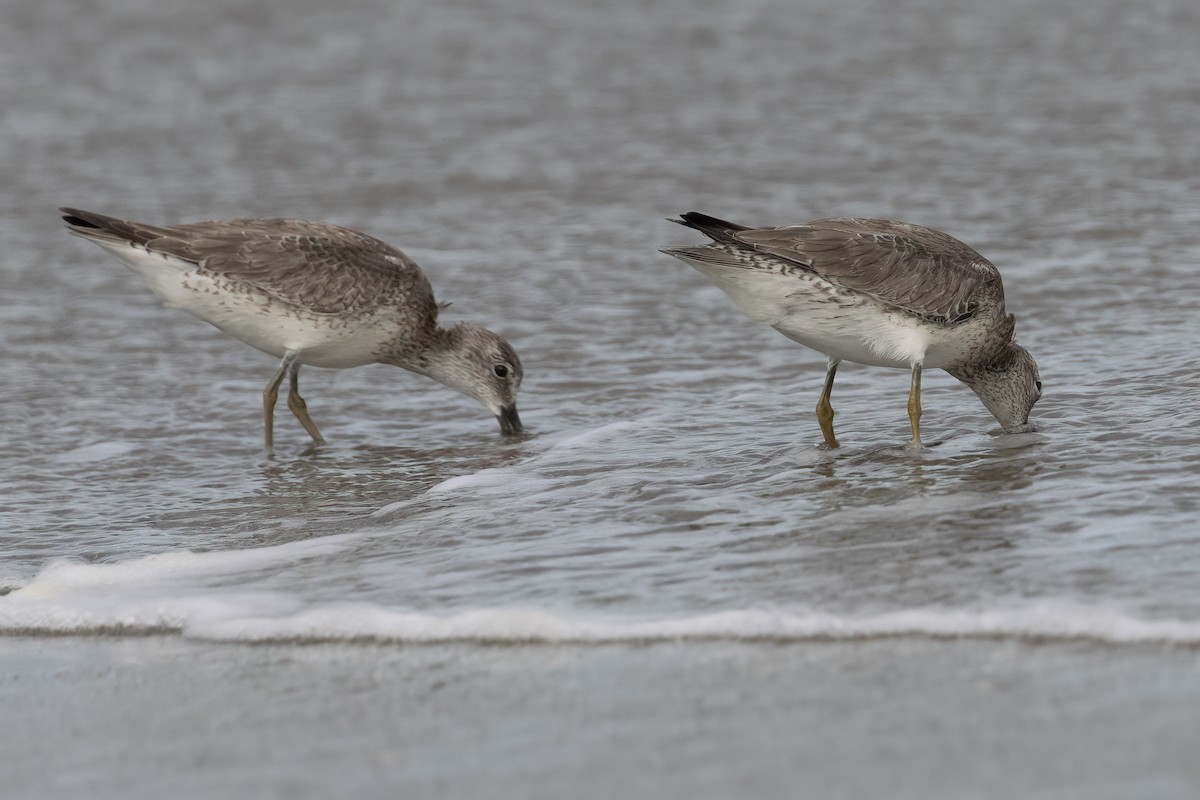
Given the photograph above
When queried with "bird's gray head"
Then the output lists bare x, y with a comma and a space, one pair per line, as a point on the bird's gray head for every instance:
1008, 385
481, 365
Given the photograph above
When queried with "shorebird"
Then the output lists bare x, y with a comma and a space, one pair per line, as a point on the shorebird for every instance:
876, 292
310, 293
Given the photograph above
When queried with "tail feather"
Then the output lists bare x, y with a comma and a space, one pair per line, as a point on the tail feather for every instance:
716, 229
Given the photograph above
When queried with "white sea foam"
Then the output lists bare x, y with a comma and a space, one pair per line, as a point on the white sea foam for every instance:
504, 476
572, 440
515, 625
498, 476
97, 452
392, 508
188, 593
67, 576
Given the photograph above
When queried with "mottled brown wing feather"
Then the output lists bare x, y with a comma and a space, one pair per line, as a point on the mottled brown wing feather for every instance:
920, 270
323, 268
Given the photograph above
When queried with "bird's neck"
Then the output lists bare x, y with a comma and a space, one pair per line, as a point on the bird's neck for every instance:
443, 359
433, 347
1000, 361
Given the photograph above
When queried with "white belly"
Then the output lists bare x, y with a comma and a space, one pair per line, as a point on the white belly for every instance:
862, 333
259, 320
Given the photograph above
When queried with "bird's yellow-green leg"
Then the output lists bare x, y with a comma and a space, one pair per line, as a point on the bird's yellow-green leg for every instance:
300, 408
824, 408
271, 394
914, 404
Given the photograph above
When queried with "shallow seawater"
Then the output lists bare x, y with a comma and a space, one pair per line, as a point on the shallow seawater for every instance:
670, 491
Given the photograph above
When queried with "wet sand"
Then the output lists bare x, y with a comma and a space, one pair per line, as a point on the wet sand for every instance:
154, 717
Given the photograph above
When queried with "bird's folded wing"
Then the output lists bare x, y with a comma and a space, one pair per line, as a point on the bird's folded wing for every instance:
916, 269
322, 268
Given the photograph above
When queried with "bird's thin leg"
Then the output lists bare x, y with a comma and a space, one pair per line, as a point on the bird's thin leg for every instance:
271, 394
300, 408
914, 404
824, 408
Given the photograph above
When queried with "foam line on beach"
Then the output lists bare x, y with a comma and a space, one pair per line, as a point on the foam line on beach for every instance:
518, 625
172, 593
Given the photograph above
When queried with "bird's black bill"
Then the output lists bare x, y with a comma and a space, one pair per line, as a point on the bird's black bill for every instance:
510, 423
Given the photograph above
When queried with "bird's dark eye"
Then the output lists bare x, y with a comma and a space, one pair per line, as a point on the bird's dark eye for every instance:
1038, 384
501, 370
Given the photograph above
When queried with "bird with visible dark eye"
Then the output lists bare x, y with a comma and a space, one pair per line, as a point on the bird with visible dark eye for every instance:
311, 293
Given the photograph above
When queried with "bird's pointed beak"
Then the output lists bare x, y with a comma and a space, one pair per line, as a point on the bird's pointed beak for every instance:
510, 422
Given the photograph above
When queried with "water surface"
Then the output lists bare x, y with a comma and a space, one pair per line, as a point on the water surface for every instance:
671, 494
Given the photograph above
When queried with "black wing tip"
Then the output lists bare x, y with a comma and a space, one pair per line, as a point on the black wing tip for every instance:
79, 218
99, 227
716, 229
700, 218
